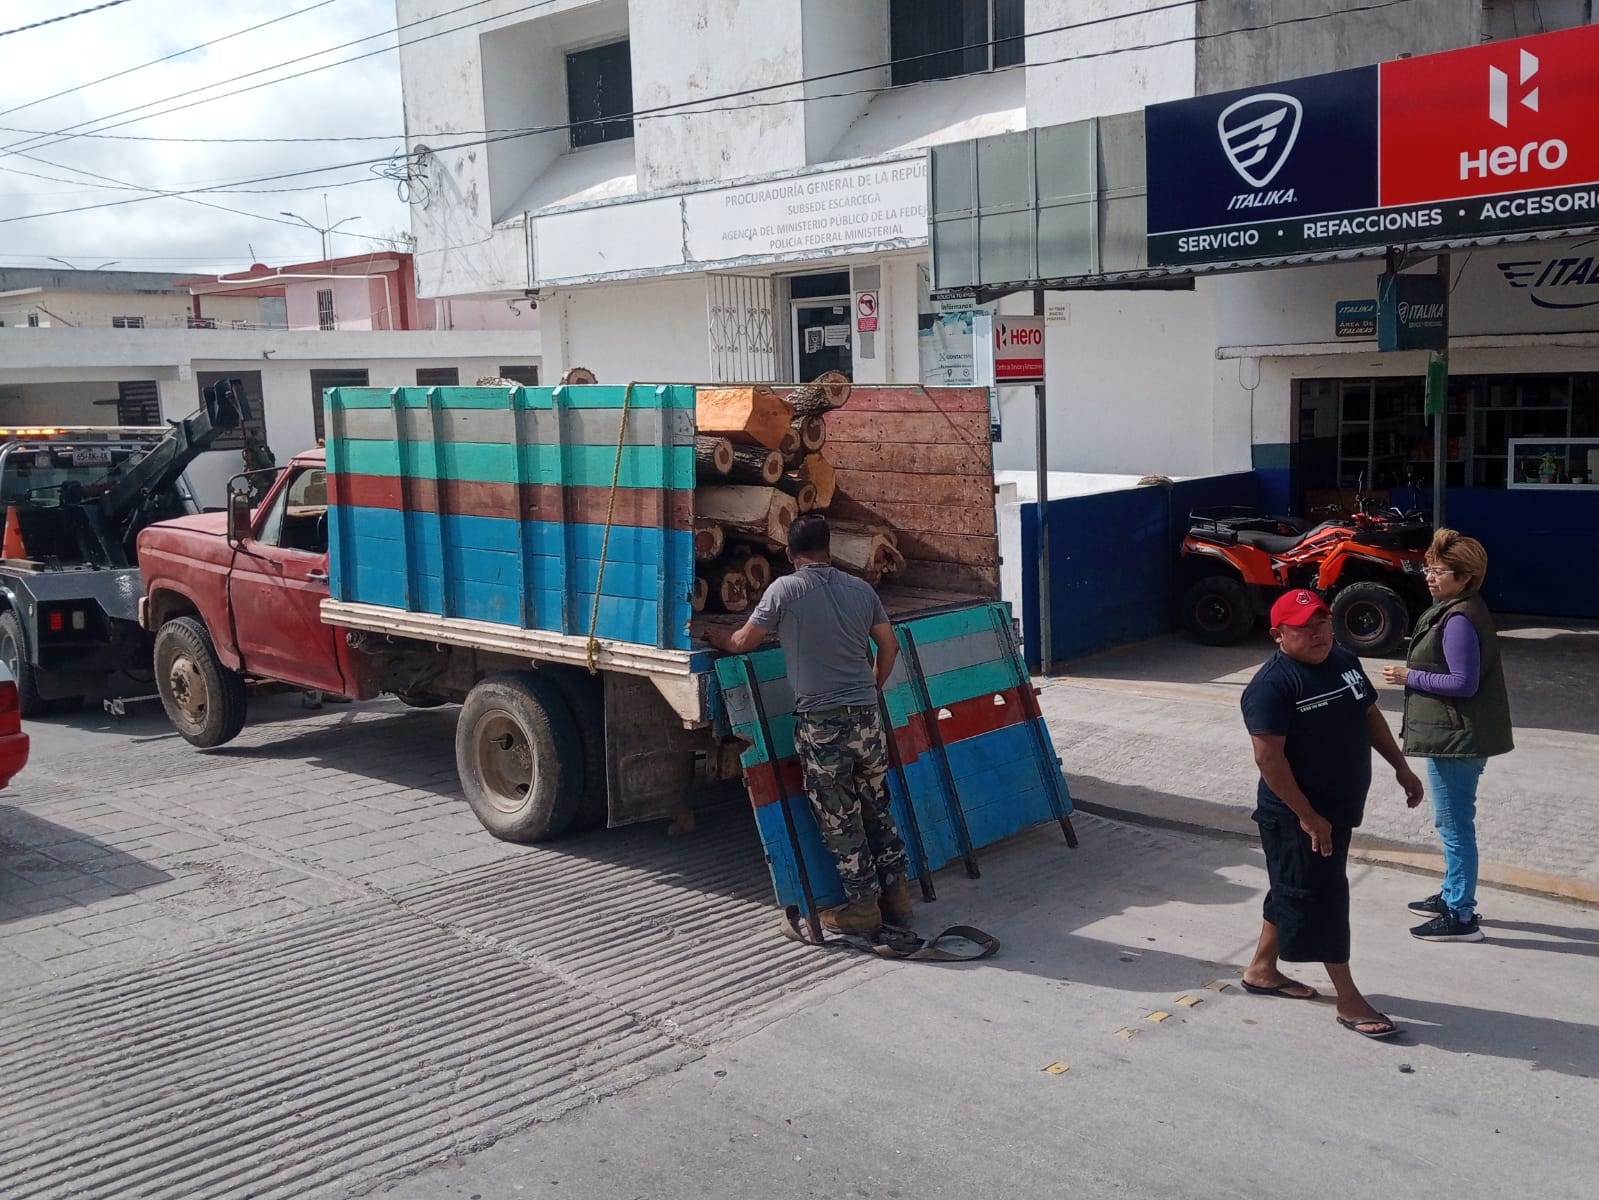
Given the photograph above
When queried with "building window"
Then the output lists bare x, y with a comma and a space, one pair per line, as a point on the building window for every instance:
138, 404
599, 94
321, 381
202, 322
526, 376
939, 39
127, 322
324, 309
33, 320
438, 377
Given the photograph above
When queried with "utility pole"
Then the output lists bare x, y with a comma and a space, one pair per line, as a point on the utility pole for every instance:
324, 229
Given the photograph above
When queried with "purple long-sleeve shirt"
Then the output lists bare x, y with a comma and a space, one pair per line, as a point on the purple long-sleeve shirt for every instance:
1463, 657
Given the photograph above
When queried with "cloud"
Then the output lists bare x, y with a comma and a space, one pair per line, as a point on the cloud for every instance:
358, 98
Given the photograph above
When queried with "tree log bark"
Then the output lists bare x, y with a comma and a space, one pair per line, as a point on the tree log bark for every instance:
802, 489
762, 511
750, 415
713, 456
831, 390
756, 566
812, 431
753, 464
709, 540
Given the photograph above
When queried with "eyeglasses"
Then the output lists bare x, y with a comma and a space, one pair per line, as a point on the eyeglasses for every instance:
1437, 572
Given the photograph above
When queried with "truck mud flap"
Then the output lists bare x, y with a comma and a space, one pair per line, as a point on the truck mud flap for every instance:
971, 760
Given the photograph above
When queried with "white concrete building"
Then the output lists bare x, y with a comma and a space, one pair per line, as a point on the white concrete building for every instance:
142, 376
714, 189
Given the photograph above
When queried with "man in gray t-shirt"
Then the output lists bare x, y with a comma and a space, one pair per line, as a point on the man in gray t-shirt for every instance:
828, 623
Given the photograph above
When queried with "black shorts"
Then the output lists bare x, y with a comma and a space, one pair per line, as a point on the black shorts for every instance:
1309, 897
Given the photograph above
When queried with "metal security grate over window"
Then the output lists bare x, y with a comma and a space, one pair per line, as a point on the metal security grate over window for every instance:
742, 325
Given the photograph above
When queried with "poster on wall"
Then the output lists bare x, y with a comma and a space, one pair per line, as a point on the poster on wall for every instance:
947, 348
813, 339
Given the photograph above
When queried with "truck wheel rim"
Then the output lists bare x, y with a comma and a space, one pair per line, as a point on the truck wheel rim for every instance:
1366, 620
188, 688
504, 761
8, 652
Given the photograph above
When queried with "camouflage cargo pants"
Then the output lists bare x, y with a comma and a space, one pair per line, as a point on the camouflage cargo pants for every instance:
845, 761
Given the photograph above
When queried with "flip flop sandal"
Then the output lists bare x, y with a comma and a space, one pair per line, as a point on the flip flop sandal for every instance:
1387, 1028
1285, 990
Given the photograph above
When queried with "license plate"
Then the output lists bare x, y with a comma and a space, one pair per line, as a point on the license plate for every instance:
91, 458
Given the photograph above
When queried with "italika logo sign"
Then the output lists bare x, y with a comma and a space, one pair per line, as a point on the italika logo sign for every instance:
1258, 134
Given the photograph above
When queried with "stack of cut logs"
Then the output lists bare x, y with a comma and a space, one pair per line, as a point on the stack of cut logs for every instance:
760, 462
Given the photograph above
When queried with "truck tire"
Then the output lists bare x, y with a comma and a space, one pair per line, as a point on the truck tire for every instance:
1369, 618
585, 697
519, 757
13, 649
205, 701
1218, 611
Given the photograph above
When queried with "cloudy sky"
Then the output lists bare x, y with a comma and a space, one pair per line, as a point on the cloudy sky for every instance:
143, 149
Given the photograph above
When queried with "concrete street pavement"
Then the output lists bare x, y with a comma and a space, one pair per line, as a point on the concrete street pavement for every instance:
296, 968
1152, 731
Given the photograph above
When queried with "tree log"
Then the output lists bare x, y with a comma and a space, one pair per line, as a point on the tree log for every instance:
812, 431
791, 448
702, 593
866, 551
802, 489
831, 390
762, 511
816, 469
753, 464
727, 587
578, 375
750, 415
713, 456
756, 566
709, 540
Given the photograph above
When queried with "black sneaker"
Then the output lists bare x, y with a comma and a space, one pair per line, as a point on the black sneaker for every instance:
1449, 928
1432, 906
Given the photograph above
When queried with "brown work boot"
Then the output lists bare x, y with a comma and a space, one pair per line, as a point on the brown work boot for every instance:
857, 916
895, 903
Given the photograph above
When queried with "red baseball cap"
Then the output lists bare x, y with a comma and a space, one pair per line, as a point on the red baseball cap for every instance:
1296, 607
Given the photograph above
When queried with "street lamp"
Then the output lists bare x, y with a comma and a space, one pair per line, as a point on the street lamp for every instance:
72, 266
324, 230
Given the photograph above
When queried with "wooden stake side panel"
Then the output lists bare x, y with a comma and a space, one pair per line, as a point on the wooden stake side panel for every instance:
919, 460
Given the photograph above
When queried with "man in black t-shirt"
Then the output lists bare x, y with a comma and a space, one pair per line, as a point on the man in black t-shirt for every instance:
1313, 718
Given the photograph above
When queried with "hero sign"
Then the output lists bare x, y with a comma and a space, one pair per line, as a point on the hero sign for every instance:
1018, 349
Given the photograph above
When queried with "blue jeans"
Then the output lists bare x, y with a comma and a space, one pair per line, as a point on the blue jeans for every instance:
1453, 784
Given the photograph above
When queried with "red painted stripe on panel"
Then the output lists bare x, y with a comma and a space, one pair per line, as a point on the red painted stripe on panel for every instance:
539, 502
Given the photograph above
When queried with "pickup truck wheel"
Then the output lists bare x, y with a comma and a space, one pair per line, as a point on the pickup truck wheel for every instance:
585, 696
204, 700
519, 756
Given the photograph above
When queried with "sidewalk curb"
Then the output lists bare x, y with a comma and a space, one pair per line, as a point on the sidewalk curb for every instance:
1236, 825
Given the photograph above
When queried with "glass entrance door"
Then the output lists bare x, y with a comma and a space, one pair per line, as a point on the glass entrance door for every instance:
822, 337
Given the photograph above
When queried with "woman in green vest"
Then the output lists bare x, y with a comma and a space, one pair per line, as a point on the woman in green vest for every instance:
1457, 716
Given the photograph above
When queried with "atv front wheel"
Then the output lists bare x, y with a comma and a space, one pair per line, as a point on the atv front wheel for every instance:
1218, 611
1369, 618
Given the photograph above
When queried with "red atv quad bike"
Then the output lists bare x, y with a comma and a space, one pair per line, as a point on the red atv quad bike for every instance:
1367, 566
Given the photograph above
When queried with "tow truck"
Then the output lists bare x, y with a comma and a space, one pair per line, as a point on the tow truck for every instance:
74, 500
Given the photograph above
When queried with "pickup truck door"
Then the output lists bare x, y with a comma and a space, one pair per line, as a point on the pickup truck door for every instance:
278, 583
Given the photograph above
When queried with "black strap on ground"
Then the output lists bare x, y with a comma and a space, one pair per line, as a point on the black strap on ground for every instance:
892, 941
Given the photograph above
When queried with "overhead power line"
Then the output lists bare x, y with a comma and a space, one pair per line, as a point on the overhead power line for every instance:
82, 12
66, 133
155, 62
704, 104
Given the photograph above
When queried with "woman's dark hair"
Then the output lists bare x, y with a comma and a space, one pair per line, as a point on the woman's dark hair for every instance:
808, 534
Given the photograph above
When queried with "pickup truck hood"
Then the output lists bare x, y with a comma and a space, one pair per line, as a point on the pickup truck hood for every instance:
215, 524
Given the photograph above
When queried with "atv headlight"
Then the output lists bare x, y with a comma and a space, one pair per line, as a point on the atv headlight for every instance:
1413, 566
